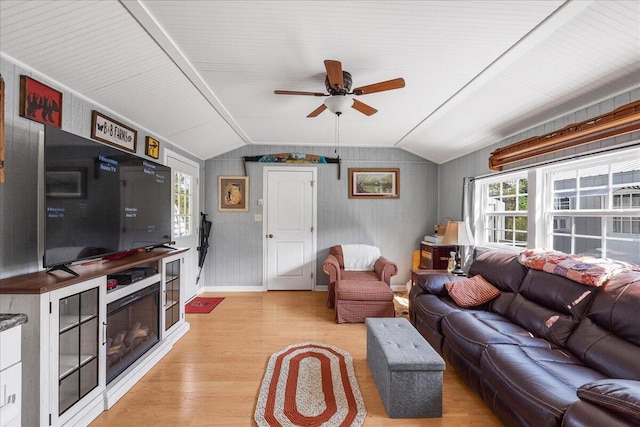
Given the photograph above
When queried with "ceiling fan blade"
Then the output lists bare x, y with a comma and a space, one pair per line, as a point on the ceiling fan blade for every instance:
334, 73
317, 111
379, 87
363, 108
295, 92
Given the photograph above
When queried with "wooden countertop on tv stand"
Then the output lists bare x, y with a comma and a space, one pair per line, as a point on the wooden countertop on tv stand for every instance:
42, 282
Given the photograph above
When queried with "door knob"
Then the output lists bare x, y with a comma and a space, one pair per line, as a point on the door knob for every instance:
270, 236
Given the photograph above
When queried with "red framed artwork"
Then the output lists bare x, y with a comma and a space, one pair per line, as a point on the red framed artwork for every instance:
39, 102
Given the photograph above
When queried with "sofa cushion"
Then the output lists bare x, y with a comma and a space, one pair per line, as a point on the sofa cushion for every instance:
557, 293
583, 413
501, 304
435, 283
550, 306
433, 309
471, 292
356, 290
604, 351
359, 275
621, 396
540, 382
470, 332
499, 268
541, 321
608, 337
616, 305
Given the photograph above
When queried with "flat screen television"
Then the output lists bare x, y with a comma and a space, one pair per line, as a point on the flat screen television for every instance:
100, 200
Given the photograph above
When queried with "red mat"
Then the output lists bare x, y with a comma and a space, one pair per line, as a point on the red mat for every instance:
202, 304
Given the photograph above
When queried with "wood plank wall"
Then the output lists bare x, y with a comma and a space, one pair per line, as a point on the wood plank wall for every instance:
394, 225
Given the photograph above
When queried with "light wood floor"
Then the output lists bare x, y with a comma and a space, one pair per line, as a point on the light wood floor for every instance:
212, 376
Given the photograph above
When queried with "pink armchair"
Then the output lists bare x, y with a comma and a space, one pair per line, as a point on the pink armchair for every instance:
333, 266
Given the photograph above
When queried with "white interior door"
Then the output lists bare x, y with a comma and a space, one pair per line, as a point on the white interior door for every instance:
290, 228
186, 216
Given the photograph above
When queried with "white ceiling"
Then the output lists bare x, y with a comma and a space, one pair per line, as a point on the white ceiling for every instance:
201, 74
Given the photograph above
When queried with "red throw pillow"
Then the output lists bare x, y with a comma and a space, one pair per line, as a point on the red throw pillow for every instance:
471, 292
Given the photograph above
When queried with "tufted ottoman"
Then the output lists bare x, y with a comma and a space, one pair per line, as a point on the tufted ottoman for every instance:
358, 299
406, 369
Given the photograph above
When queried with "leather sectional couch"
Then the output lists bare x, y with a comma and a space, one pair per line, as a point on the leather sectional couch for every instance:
548, 351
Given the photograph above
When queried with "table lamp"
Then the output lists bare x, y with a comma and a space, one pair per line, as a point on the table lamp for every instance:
458, 234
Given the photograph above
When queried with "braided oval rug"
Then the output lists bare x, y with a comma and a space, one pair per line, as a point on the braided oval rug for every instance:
310, 384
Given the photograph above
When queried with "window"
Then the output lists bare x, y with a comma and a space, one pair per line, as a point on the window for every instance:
594, 206
503, 211
627, 198
182, 202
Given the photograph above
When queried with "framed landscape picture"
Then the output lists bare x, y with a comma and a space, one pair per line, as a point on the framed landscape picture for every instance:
39, 102
233, 193
374, 183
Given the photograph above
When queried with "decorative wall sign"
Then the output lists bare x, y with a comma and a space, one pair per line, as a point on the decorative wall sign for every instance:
113, 132
39, 102
290, 158
233, 193
374, 183
1, 129
152, 147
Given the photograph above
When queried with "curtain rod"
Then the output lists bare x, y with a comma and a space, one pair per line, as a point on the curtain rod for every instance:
635, 143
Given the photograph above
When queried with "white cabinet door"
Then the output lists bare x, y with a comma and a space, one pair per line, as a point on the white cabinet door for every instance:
77, 348
11, 395
173, 294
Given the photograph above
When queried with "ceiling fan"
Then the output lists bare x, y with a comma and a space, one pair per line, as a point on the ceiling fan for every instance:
338, 84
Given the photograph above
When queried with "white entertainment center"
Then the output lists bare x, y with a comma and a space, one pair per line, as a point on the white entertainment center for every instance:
77, 332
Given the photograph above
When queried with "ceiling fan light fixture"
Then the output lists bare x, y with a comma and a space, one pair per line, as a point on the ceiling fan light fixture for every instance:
338, 104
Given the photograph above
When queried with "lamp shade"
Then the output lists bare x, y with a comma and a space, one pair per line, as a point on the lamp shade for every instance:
458, 233
338, 104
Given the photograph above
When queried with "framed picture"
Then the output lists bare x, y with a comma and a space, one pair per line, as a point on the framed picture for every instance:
39, 102
112, 132
233, 193
152, 147
374, 183
66, 183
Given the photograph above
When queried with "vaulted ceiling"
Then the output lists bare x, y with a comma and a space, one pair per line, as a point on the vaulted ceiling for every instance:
201, 74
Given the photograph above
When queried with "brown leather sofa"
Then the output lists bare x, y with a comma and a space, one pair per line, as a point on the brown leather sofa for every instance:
333, 266
547, 351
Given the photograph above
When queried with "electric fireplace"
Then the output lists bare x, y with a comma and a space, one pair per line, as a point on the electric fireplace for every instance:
132, 328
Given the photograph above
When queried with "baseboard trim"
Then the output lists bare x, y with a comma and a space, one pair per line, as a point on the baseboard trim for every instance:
319, 288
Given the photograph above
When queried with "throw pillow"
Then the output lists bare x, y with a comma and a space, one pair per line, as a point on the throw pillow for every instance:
471, 292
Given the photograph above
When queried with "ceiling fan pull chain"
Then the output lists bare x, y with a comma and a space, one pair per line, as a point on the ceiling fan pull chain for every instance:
335, 150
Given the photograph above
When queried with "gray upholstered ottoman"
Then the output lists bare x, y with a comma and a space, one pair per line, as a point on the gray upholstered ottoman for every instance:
406, 369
